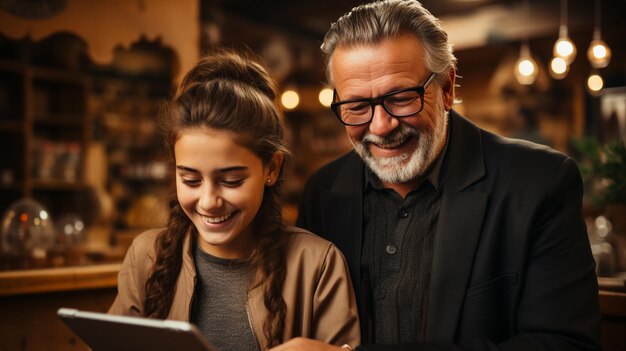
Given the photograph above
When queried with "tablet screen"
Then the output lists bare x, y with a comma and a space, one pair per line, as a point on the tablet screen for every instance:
105, 332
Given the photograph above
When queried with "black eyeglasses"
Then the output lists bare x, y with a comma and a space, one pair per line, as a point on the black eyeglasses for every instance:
399, 103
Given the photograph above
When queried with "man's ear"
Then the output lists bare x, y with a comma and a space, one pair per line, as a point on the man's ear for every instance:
448, 89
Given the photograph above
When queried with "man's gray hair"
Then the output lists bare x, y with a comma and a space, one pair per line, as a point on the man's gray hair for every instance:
374, 22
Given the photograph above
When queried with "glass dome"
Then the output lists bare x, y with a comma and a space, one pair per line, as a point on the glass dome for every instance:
70, 230
26, 227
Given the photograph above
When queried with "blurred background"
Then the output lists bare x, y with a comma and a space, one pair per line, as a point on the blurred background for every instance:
82, 167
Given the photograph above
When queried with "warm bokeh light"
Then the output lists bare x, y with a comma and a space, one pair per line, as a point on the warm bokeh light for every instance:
595, 83
525, 67
566, 49
599, 54
326, 97
525, 71
558, 68
290, 99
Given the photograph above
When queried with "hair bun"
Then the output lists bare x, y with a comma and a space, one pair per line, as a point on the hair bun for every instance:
225, 64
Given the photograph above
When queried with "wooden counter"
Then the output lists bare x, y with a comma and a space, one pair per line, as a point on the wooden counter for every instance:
58, 279
613, 307
29, 300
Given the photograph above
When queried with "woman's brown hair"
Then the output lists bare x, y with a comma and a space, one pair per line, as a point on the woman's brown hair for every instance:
229, 91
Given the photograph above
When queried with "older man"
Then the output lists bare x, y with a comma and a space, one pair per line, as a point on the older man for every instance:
456, 238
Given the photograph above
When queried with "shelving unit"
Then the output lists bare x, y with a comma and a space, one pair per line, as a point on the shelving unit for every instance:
12, 131
81, 137
126, 108
45, 130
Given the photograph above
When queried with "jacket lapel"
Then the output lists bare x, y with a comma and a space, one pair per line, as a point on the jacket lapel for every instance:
459, 228
343, 213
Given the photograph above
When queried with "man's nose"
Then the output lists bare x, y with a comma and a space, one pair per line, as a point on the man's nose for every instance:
382, 122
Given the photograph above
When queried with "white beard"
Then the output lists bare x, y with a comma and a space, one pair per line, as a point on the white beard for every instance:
408, 166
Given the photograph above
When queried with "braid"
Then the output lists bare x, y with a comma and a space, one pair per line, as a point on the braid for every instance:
271, 258
275, 267
160, 287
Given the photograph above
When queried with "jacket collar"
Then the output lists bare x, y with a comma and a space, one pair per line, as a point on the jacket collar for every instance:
342, 215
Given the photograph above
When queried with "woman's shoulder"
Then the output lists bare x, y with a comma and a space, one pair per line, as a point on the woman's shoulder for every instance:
304, 242
301, 236
144, 243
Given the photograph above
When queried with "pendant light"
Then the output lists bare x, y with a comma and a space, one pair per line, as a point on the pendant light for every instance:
599, 54
525, 67
564, 47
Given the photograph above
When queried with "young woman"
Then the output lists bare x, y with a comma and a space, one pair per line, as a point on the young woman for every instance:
225, 261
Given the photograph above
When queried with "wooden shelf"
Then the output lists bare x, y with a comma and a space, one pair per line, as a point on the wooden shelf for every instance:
59, 120
612, 284
12, 126
56, 75
12, 66
59, 185
58, 279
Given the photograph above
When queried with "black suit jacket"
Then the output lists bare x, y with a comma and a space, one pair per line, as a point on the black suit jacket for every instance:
512, 266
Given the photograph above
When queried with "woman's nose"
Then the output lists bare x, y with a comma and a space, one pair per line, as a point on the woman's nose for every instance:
210, 198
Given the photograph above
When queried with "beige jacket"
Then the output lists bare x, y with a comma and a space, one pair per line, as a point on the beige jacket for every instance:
318, 291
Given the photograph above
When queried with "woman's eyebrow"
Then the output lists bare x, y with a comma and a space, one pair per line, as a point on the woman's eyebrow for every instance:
185, 168
220, 170
231, 169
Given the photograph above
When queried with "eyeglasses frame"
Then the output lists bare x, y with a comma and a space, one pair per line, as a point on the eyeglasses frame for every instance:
375, 101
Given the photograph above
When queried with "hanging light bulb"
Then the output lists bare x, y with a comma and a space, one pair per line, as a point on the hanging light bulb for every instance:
525, 67
595, 83
564, 46
599, 54
558, 67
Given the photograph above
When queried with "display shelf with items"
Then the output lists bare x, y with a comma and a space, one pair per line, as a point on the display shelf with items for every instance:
45, 129
60, 129
125, 101
12, 131
127, 109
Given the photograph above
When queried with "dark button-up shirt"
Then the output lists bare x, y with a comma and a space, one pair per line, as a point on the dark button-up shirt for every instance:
396, 257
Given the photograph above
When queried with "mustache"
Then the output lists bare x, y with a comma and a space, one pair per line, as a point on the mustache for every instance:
397, 136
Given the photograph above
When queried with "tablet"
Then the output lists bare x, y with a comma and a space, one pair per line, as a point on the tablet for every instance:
105, 332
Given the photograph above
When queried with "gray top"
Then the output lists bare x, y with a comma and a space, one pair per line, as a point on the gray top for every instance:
219, 307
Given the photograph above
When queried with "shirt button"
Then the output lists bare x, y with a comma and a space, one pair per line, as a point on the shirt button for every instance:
391, 249
403, 214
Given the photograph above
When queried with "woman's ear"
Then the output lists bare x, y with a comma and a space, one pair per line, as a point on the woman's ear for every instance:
274, 166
